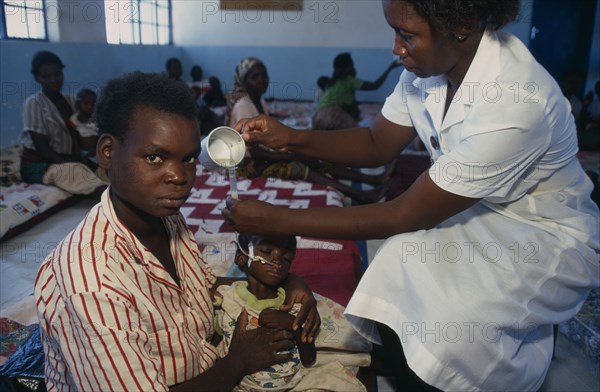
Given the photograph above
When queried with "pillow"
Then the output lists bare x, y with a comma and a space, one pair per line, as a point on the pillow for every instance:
10, 164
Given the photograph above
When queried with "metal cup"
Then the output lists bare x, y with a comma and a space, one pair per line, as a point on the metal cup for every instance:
222, 148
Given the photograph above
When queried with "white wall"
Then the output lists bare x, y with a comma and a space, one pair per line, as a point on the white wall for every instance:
321, 23
76, 21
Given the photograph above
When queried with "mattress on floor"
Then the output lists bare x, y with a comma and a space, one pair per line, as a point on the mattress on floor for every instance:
23, 205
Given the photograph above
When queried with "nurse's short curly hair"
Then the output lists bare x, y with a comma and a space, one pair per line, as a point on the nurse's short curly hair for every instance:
122, 96
454, 14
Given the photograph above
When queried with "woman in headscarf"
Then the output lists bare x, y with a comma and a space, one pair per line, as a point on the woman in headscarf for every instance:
251, 81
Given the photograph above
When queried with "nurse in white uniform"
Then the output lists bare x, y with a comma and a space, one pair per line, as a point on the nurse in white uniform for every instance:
494, 244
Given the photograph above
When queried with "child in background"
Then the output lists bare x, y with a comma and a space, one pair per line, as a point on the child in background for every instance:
214, 97
266, 262
81, 120
322, 84
203, 85
341, 88
173, 68
212, 106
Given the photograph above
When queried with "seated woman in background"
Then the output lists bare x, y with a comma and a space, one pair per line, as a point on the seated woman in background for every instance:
51, 147
250, 82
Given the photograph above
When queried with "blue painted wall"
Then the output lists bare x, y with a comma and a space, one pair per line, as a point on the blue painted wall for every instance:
87, 65
293, 71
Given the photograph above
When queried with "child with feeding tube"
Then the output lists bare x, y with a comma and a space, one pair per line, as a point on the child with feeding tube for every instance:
266, 262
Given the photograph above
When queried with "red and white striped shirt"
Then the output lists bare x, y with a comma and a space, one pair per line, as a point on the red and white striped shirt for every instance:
111, 316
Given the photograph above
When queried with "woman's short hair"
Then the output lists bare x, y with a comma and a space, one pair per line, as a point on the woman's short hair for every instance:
122, 96
454, 14
44, 57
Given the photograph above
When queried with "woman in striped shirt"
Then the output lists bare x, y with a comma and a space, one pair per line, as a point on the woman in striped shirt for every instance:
124, 300
51, 144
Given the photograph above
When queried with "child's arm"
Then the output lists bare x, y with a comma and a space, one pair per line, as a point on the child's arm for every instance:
277, 319
296, 292
374, 85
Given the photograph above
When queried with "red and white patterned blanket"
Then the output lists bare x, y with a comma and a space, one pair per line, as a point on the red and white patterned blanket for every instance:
331, 268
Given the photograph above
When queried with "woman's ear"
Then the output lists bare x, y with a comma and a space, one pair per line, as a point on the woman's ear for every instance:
462, 33
104, 149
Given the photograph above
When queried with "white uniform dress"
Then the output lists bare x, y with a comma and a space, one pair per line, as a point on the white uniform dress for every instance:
474, 299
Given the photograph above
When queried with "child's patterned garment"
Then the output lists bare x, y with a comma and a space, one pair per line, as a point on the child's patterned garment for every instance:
340, 350
282, 376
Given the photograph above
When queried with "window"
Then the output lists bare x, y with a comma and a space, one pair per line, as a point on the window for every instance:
146, 22
23, 19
